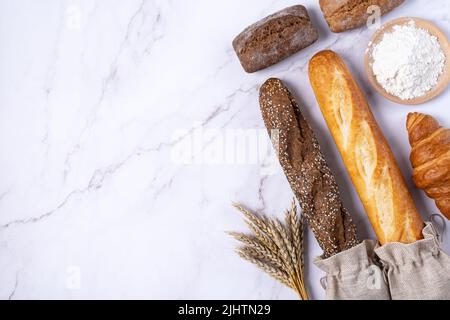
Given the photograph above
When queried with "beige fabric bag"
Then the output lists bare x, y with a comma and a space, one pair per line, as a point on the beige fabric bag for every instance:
417, 271
354, 274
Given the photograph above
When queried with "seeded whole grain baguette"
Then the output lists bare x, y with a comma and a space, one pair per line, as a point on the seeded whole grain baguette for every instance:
342, 15
306, 169
275, 38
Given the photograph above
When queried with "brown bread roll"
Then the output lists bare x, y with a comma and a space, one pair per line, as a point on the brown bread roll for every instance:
275, 38
306, 169
343, 15
366, 153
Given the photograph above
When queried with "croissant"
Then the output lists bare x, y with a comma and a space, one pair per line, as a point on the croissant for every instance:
430, 158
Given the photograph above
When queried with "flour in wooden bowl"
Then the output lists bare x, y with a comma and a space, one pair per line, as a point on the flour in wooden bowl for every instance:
408, 61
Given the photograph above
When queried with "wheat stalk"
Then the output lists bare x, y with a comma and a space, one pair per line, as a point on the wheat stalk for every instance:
260, 228
275, 247
296, 226
254, 243
274, 272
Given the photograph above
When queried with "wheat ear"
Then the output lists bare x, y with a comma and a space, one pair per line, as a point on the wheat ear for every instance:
275, 248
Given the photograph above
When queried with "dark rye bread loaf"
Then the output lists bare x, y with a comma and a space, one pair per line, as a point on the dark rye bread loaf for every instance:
310, 177
275, 38
343, 15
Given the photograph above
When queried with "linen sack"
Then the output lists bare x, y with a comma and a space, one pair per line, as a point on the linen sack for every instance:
418, 271
354, 274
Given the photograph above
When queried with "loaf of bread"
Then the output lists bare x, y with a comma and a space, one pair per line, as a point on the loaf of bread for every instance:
366, 153
275, 38
430, 157
306, 169
343, 15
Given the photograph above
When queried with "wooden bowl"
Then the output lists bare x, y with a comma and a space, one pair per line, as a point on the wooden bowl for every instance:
433, 30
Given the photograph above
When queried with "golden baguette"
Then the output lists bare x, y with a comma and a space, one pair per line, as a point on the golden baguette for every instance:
365, 151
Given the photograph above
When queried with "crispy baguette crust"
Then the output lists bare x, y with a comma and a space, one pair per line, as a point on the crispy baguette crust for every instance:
365, 151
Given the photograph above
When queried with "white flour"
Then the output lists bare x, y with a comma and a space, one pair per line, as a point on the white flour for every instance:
408, 61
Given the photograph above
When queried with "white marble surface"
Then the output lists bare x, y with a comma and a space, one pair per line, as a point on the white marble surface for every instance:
94, 99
